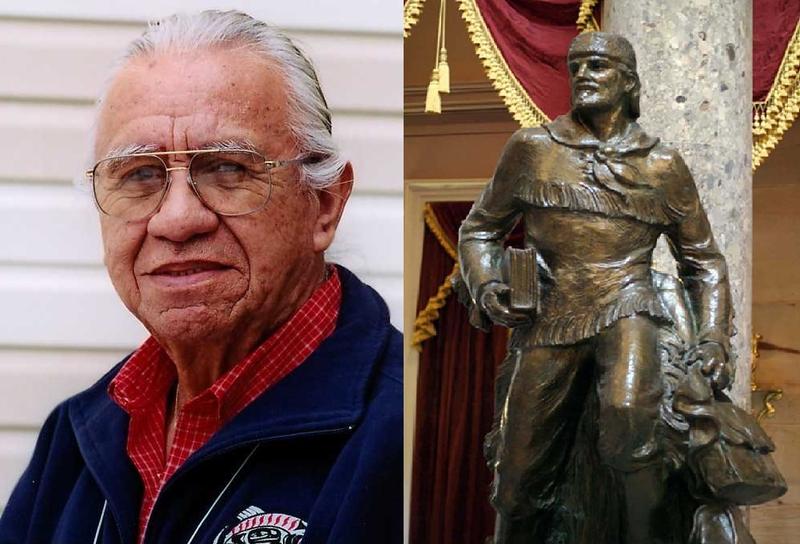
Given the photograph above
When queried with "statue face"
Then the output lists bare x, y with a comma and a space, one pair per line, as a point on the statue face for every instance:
598, 82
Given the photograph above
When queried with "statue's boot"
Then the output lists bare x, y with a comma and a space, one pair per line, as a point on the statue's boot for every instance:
644, 494
508, 530
720, 523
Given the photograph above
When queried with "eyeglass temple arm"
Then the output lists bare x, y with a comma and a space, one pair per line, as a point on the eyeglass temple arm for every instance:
278, 164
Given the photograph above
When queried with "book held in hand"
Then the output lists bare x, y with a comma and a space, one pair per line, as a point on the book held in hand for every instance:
521, 277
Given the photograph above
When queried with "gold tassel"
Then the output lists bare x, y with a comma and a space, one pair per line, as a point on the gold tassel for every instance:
433, 102
444, 72
586, 21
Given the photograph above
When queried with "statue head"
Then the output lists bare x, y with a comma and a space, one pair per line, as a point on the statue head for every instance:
602, 69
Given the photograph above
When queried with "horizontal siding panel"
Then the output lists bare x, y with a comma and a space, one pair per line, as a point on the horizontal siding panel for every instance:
358, 73
50, 143
72, 60
58, 225
32, 382
53, 224
64, 308
370, 236
374, 145
331, 15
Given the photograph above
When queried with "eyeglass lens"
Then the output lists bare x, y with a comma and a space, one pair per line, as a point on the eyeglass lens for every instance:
228, 182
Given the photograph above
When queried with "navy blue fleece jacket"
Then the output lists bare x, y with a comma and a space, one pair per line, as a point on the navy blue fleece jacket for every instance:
315, 458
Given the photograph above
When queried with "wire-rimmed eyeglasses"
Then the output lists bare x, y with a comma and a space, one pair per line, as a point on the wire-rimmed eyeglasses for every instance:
229, 182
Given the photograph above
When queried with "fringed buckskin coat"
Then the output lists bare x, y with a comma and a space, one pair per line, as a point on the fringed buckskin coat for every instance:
594, 211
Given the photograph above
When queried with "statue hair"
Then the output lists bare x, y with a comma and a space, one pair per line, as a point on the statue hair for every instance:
634, 94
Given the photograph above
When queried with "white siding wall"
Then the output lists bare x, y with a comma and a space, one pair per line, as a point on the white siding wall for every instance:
61, 324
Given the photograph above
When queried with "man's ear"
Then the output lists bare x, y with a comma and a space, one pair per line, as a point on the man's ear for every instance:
631, 82
331, 205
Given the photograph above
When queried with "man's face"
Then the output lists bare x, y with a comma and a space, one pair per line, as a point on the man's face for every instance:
186, 272
597, 82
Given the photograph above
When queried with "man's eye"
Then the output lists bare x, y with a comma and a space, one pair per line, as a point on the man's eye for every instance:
143, 174
229, 167
573, 68
219, 167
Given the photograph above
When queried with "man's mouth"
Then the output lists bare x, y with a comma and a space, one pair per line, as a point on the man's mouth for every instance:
187, 274
184, 272
186, 268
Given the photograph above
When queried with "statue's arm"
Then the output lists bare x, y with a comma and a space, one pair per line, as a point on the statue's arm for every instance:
492, 217
701, 266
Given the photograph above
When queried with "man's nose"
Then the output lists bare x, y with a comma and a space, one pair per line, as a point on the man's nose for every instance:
182, 215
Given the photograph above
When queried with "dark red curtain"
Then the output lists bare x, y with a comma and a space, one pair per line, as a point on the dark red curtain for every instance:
533, 37
455, 408
774, 22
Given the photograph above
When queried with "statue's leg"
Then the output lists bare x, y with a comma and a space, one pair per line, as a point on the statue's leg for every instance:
536, 422
630, 388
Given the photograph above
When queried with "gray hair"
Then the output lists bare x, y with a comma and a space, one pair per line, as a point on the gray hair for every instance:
310, 118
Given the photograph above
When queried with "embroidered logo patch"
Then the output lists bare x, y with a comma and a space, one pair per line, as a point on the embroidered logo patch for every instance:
256, 526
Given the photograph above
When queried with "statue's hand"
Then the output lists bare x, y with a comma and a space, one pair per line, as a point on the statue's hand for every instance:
715, 364
494, 301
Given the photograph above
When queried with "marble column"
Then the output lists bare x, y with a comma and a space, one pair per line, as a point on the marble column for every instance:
695, 64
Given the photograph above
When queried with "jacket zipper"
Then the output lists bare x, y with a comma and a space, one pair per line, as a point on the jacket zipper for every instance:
225, 450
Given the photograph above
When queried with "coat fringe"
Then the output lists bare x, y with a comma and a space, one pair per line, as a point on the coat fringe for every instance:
573, 328
641, 204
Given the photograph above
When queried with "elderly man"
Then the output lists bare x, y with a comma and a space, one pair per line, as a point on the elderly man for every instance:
266, 405
595, 193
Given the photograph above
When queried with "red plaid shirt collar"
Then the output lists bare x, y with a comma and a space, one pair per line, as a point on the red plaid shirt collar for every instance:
144, 381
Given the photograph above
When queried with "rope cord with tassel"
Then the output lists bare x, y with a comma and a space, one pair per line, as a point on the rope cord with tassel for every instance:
444, 68
440, 77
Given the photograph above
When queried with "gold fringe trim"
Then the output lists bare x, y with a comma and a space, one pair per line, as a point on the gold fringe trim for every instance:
438, 231
411, 12
773, 117
586, 21
516, 99
423, 324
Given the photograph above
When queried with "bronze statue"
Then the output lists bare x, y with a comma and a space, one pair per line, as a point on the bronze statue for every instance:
612, 425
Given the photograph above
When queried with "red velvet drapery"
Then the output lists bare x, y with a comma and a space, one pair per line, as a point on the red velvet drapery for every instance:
533, 36
774, 22
455, 407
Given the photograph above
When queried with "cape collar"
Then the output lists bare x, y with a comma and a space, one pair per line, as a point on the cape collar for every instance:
567, 131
